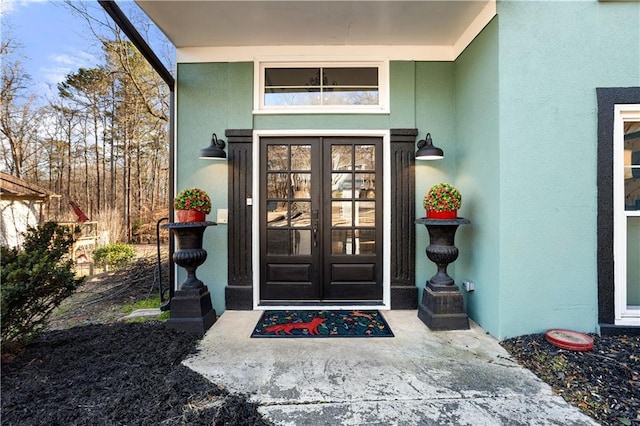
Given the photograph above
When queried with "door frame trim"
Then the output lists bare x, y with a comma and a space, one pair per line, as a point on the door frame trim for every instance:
385, 134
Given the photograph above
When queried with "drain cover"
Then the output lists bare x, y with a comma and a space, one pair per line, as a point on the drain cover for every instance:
571, 340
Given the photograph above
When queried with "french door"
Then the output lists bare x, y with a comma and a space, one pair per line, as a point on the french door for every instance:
321, 219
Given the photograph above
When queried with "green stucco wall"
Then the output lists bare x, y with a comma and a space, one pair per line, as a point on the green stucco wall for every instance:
516, 117
552, 56
478, 175
210, 99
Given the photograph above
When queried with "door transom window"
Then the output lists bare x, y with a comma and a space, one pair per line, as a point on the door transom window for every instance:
320, 88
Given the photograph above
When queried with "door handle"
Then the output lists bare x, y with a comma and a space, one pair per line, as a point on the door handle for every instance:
314, 227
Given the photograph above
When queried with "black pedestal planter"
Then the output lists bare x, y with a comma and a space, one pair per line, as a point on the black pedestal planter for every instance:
442, 306
191, 308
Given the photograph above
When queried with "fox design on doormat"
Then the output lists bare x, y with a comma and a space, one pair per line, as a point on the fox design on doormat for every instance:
311, 326
324, 323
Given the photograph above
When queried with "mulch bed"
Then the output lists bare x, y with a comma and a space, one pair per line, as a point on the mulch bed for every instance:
603, 382
115, 374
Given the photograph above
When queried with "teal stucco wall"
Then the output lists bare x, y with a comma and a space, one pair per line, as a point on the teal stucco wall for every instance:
210, 98
552, 57
516, 117
478, 175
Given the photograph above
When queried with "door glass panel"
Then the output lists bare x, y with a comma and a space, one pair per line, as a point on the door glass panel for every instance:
367, 241
301, 157
277, 157
301, 185
341, 182
277, 185
300, 214
341, 157
365, 213
368, 185
342, 242
288, 200
633, 263
301, 241
362, 185
365, 157
338, 241
341, 213
353, 198
278, 242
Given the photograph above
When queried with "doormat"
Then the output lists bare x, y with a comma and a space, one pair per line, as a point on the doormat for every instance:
326, 323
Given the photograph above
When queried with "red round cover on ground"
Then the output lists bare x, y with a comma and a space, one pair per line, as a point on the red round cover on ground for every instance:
571, 340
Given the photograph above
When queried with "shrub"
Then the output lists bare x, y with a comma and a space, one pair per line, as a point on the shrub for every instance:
115, 255
34, 281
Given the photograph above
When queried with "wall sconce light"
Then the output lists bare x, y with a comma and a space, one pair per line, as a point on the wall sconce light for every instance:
215, 151
426, 150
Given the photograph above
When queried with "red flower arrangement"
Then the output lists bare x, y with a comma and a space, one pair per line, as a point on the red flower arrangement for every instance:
192, 199
442, 197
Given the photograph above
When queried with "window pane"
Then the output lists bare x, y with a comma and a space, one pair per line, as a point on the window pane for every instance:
632, 166
351, 76
633, 264
291, 76
293, 96
316, 86
350, 96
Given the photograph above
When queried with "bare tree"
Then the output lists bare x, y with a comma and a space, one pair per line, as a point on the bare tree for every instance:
18, 118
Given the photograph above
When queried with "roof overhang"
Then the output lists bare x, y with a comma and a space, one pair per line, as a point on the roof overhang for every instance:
13, 188
242, 30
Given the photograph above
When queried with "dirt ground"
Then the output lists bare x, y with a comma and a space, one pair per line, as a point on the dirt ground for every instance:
90, 369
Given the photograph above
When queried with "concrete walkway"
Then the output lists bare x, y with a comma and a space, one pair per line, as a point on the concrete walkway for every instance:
419, 377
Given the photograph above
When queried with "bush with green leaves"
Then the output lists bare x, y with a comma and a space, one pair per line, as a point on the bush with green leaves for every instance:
35, 279
115, 255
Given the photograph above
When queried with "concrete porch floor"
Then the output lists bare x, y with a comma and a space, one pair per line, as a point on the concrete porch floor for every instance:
418, 377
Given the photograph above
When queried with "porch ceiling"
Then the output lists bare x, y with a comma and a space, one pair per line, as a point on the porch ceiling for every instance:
317, 23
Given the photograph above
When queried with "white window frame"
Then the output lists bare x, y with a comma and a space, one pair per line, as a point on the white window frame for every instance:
383, 88
624, 313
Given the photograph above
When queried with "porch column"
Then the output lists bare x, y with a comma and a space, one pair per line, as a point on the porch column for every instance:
404, 293
239, 290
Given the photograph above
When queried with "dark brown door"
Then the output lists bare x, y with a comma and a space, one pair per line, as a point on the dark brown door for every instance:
321, 219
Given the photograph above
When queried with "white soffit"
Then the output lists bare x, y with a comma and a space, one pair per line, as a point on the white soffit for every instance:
242, 30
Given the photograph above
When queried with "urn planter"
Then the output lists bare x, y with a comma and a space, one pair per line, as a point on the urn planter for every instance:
191, 307
442, 305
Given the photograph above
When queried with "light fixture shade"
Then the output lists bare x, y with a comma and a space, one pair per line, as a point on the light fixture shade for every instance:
214, 151
426, 150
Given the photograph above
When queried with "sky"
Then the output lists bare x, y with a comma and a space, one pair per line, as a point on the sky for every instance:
53, 40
